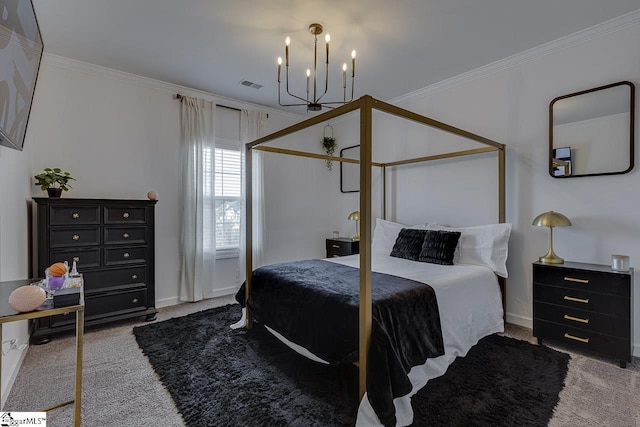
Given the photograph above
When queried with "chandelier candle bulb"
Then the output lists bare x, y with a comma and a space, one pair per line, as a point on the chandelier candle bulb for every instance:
327, 38
279, 67
308, 74
344, 75
286, 50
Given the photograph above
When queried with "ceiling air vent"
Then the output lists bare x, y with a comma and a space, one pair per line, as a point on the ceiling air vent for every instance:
250, 84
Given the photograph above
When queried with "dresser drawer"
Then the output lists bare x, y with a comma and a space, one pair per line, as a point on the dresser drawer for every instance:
100, 279
582, 300
125, 235
129, 300
67, 215
341, 247
585, 340
64, 237
598, 281
84, 258
124, 215
125, 255
107, 304
586, 320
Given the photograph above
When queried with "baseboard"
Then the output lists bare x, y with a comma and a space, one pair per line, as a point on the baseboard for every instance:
217, 293
516, 319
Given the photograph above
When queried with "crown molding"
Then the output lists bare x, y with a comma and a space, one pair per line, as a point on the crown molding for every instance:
65, 63
599, 30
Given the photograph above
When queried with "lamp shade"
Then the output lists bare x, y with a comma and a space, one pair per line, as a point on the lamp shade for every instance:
551, 219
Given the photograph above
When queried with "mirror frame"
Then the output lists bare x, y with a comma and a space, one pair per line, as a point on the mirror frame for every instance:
631, 129
348, 187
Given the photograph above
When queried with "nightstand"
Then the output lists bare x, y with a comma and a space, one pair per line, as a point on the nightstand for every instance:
341, 246
588, 306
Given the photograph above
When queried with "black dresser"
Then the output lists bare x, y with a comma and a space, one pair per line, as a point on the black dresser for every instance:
342, 246
588, 306
112, 242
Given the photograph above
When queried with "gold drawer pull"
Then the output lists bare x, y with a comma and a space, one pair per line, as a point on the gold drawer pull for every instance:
76, 258
573, 279
583, 301
126, 255
335, 246
573, 337
76, 237
75, 215
125, 215
134, 277
125, 235
135, 300
576, 319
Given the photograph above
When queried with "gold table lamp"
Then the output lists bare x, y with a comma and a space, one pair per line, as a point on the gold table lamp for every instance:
355, 216
551, 219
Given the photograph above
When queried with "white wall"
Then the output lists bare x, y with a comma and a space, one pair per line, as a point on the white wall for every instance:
507, 102
118, 135
15, 193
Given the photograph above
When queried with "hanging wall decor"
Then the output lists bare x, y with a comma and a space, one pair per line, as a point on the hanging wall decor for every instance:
329, 144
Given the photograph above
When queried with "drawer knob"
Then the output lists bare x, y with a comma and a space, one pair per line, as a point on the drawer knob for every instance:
135, 300
576, 319
75, 215
125, 215
76, 237
335, 246
134, 277
125, 235
76, 258
573, 279
580, 300
575, 338
126, 255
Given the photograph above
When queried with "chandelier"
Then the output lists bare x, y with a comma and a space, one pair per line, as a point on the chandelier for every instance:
314, 103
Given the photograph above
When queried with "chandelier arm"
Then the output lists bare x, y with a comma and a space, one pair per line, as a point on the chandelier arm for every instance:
326, 83
287, 87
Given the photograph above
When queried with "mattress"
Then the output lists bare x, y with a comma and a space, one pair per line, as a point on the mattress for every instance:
470, 308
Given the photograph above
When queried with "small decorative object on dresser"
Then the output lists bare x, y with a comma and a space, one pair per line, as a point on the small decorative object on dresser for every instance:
112, 244
584, 305
54, 181
342, 246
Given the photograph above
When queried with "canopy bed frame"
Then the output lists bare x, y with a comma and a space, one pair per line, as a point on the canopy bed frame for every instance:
366, 105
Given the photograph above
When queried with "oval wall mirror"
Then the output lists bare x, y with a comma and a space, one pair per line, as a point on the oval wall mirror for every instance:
591, 132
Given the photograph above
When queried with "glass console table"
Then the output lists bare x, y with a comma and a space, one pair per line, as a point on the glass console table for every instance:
7, 314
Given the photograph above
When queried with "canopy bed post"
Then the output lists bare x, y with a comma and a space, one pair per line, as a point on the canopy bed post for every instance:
248, 185
384, 192
365, 241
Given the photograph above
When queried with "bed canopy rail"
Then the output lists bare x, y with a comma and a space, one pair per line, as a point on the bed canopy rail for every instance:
365, 105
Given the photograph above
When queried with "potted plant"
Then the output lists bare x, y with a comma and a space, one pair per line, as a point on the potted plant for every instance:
329, 146
55, 181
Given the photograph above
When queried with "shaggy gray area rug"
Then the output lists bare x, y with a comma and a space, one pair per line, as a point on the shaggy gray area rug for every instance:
218, 376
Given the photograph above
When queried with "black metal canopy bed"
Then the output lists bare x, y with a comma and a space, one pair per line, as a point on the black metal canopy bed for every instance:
413, 300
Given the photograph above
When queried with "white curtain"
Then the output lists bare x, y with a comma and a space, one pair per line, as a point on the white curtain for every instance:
252, 128
197, 235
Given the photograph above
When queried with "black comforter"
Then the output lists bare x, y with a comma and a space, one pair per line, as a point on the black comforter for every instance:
315, 304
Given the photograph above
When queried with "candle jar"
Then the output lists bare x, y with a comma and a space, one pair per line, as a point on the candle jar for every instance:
620, 262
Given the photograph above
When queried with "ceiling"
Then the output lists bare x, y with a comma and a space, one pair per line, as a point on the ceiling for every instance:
402, 46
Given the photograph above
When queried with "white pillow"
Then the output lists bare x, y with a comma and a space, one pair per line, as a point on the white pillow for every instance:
486, 245
386, 233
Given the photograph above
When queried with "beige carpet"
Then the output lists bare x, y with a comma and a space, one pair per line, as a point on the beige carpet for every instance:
120, 388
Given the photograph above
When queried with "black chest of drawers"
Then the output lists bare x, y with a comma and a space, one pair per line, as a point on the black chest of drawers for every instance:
588, 306
342, 246
112, 242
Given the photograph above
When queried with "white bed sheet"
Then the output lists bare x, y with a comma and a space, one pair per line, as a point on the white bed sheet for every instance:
470, 307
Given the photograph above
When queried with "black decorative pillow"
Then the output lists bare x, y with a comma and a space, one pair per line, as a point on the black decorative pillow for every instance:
408, 244
439, 247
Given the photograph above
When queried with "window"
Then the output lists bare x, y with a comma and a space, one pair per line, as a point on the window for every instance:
228, 202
